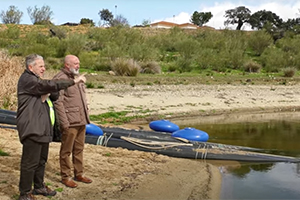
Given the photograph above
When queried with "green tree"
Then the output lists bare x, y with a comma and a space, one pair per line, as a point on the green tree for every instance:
292, 25
238, 15
260, 19
40, 15
11, 16
87, 21
119, 20
200, 18
106, 16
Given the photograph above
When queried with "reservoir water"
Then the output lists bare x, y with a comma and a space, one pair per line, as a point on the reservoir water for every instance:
277, 134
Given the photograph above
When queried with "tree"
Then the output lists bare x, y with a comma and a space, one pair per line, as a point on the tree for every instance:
87, 21
263, 18
239, 15
268, 21
146, 22
292, 25
40, 15
106, 16
119, 20
200, 18
11, 16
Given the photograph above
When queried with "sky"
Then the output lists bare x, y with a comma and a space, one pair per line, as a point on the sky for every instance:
136, 11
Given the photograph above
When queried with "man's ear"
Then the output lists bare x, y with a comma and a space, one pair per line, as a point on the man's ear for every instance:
30, 67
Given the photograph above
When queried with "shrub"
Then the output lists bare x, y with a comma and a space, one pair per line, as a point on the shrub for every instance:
10, 70
76, 43
289, 71
87, 21
252, 66
259, 41
53, 63
125, 67
59, 32
12, 32
151, 68
143, 52
273, 59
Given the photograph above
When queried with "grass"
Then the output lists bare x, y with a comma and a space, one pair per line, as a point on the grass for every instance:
113, 117
3, 153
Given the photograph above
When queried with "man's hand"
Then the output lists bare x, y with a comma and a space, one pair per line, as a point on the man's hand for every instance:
80, 78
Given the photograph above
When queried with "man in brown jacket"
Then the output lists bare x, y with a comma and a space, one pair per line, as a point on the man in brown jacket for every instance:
72, 111
35, 121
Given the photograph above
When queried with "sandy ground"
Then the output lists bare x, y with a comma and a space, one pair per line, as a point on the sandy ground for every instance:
122, 174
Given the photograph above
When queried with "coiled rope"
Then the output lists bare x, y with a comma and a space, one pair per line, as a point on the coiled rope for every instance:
144, 144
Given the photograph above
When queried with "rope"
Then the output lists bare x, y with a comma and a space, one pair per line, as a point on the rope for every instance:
143, 144
107, 139
100, 140
203, 154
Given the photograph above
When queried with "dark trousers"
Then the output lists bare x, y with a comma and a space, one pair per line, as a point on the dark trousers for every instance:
34, 158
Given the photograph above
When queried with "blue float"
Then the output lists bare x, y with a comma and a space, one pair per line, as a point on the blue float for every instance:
191, 134
163, 126
92, 129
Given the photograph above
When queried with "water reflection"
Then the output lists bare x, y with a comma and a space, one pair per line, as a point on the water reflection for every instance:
258, 180
242, 171
277, 137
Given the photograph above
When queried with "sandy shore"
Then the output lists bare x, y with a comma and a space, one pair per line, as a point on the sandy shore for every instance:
122, 174
187, 101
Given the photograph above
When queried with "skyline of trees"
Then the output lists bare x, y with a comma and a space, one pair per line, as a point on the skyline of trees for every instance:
239, 15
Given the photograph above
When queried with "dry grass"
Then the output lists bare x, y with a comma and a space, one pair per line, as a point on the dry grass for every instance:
10, 70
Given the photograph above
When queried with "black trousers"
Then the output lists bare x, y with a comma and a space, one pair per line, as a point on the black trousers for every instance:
34, 158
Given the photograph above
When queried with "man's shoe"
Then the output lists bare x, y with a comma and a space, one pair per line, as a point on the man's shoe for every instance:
69, 183
83, 179
45, 191
27, 196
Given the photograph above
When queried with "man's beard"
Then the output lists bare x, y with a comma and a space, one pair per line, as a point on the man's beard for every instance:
74, 71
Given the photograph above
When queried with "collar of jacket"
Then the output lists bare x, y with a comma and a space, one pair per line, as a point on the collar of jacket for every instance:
31, 73
68, 73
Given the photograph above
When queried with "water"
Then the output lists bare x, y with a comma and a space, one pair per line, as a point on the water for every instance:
279, 136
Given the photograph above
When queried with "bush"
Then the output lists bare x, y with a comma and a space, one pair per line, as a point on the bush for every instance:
259, 41
289, 71
12, 32
151, 68
273, 59
125, 67
76, 43
59, 32
53, 63
87, 21
252, 66
10, 69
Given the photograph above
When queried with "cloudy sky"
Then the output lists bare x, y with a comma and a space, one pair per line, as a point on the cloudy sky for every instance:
135, 11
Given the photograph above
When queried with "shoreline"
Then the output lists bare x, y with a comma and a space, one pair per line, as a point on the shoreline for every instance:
189, 102
119, 173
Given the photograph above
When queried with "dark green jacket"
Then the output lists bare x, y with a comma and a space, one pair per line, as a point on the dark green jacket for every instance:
33, 119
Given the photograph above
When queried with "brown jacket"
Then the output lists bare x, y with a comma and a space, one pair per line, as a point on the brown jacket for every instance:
71, 107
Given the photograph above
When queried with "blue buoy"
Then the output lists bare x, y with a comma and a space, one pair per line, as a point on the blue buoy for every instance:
163, 126
92, 129
191, 134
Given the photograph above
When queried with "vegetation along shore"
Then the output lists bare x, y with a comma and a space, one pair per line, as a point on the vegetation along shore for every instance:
138, 75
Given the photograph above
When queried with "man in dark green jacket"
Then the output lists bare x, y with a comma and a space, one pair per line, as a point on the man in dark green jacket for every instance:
35, 120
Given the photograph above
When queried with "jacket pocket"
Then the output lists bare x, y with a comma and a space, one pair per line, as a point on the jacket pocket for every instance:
73, 115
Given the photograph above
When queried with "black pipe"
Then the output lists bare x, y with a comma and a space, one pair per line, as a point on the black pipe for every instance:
8, 119
192, 152
8, 112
